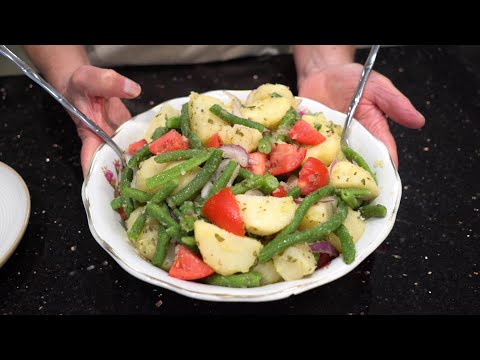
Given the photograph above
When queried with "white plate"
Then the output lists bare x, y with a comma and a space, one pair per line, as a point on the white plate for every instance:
14, 210
106, 227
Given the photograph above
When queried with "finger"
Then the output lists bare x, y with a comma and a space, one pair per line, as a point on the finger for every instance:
375, 122
105, 83
89, 145
393, 103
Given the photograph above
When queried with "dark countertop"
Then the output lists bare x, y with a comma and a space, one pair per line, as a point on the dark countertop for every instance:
429, 264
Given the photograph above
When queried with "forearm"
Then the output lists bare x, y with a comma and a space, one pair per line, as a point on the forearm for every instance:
312, 58
57, 62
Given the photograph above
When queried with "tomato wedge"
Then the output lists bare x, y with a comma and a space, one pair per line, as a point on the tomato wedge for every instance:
313, 176
279, 191
306, 134
222, 210
135, 146
257, 163
285, 158
121, 211
214, 141
172, 140
188, 266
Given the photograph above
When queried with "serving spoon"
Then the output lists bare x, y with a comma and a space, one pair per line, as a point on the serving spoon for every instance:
367, 68
28, 71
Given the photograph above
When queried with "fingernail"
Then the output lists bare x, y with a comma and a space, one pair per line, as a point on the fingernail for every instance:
131, 88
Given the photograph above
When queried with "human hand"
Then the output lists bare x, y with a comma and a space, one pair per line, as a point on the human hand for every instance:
97, 92
334, 86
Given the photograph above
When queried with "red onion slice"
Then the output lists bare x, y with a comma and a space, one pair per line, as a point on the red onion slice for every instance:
235, 152
332, 165
206, 189
324, 247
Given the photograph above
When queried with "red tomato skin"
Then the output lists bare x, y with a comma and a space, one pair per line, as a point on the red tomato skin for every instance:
305, 134
257, 163
188, 266
172, 140
285, 158
222, 210
313, 176
135, 146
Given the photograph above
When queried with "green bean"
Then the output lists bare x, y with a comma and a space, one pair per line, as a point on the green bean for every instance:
358, 193
348, 246
173, 122
188, 241
302, 209
369, 211
159, 132
127, 177
162, 246
195, 142
280, 244
137, 194
350, 199
245, 174
223, 179
165, 191
177, 155
187, 208
176, 171
116, 203
161, 214
187, 223
247, 280
128, 206
350, 154
199, 181
285, 124
137, 227
294, 192
233, 119
266, 183
265, 145
142, 154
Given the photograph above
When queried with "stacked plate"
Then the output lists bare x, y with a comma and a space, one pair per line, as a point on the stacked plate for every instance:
14, 210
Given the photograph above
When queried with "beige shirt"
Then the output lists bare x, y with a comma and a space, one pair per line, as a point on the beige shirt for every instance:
117, 55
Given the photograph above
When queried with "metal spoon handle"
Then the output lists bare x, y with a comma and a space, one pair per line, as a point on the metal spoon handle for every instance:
62, 100
367, 68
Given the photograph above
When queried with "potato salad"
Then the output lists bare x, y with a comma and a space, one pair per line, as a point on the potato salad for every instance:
244, 193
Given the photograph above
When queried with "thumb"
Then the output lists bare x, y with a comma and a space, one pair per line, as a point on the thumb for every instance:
104, 83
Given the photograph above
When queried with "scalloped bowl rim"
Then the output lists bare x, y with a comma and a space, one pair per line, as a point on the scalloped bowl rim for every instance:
118, 246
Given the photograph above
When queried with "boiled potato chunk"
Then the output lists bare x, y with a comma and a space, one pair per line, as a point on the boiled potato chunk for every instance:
246, 137
150, 167
295, 262
348, 175
355, 225
265, 91
167, 111
202, 121
225, 252
147, 168
316, 215
327, 127
268, 111
326, 152
268, 272
266, 215
146, 243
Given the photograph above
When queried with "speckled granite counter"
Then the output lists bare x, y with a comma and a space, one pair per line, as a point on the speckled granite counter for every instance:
430, 263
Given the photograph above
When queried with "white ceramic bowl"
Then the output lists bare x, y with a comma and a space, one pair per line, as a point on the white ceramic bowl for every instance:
106, 225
